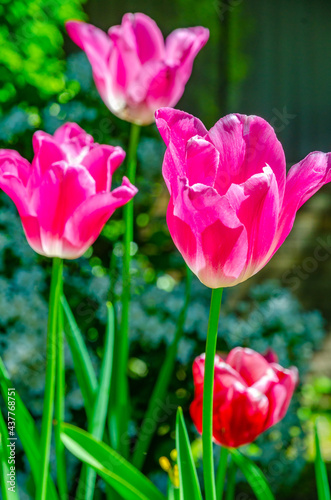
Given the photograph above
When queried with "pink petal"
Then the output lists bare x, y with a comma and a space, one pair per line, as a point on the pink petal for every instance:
182, 46
63, 189
280, 393
70, 131
249, 364
239, 416
101, 162
202, 160
94, 42
149, 39
257, 205
246, 145
155, 84
304, 179
86, 223
98, 48
176, 128
14, 173
46, 152
216, 251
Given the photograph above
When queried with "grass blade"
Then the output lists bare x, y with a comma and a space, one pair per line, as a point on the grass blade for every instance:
5, 464
84, 370
112, 467
189, 487
254, 476
323, 488
100, 410
26, 431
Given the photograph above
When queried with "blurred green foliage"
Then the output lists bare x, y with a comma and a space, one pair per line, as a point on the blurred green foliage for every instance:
32, 57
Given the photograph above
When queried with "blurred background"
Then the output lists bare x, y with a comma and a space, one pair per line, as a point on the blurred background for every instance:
269, 58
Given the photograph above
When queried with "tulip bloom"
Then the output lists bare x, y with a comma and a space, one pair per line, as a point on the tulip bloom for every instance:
231, 204
134, 69
250, 395
64, 196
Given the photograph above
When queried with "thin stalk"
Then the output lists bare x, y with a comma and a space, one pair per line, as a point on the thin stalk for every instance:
231, 484
208, 392
221, 471
123, 345
60, 408
46, 428
162, 383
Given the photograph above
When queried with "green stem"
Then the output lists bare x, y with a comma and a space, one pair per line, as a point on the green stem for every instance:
60, 409
220, 478
208, 392
123, 345
161, 386
231, 484
46, 429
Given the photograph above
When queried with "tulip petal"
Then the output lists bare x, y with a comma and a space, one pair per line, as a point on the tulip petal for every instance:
182, 46
246, 145
202, 160
280, 393
149, 39
219, 254
86, 223
239, 416
46, 152
95, 43
101, 162
251, 365
62, 190
303, 181
176, 128
14, 174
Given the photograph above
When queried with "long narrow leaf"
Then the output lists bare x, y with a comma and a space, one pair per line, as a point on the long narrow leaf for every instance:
189, 487
27, 431
84, 370
173, 492
9, 491
114, 469
98, 423
254, 476
323, 488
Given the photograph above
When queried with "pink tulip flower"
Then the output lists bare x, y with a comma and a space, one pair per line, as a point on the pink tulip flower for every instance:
64, 196
250, 396
231, 204
134, 69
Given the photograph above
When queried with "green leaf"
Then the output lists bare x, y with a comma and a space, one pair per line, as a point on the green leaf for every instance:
5, 464
27, 432
188, 480
114, 469
100, 410
173, 492
254, 476
84, 370
323, 488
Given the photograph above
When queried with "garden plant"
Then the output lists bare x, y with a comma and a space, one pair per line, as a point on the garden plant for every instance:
231, 207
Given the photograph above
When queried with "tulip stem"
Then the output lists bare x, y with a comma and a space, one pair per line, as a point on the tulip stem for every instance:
60, 408
208, 392
160, 389
51, 351
221, 472
122, 397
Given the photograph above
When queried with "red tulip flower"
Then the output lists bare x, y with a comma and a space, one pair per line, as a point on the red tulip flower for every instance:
134, 69
250, 395
231, 203
64, 197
